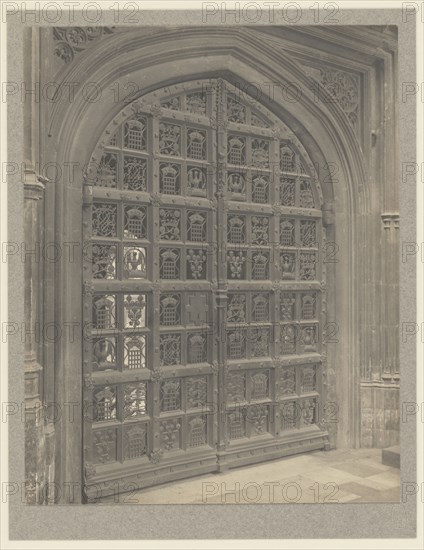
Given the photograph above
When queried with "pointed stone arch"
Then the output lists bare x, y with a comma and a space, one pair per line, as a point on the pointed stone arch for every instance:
166, 59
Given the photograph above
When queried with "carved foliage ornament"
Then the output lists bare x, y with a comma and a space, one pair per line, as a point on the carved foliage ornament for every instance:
71, 40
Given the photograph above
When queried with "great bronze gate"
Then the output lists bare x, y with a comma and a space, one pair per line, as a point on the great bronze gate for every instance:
203, 290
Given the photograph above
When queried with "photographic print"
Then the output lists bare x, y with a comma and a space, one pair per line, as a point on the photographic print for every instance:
211, 263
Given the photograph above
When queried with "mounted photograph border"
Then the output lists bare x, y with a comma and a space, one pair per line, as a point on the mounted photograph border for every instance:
183, 521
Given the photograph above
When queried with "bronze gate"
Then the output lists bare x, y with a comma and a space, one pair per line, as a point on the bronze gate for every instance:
203, 290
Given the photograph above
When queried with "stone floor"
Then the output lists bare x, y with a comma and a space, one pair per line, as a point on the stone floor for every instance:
319, 477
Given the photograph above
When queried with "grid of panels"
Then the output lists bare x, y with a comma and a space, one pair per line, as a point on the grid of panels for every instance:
121, 243
249, 406
273, 323
186, 331
120, 335
184, 252
282, 246
249, 325
185, 413
137, 238
121, 416
172, 156
298, 395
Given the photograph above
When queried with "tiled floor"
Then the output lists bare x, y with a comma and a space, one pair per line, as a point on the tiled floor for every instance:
320, 477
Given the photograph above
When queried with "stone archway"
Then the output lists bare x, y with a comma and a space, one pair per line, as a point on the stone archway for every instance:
325, 134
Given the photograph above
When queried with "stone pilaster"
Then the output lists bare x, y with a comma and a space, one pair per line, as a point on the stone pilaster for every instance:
380, 395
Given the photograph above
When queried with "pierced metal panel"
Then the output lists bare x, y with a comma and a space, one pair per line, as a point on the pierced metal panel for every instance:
103, 261
260, 265
135, 133
308, 235
170, 309
259, 339
236, 386
104, 311
289, 414
196, 264
197, 392
196, 181
135, 222
287, 234
170, 224
236, 229
260, 307
236, 111
236, 265
169, 263
197, 348
135, 352
287, 306
287, 191
306, 197
236, 308
260, 385
135, 311
196, 144
104, 220
135, 403
170, 434
171, 395
197, 431
135, 442
104, 354
308, 412
260, 230
236, 183
237, 425
260, 189
260, 153
236, 150
288, 381
196, 226
135, 266
170, 178
135, 173
308, 380
196, 103
236, 344
107, 171
170, 139
104, 446
170, 349
287, 159
308, 306
104, 403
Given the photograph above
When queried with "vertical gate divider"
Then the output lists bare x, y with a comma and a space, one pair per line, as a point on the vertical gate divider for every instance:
221, 295
276, 280
89, 469
156, 374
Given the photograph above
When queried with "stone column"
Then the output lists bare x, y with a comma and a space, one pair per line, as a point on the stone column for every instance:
387, 406
390, 371
34, 440
39, 435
